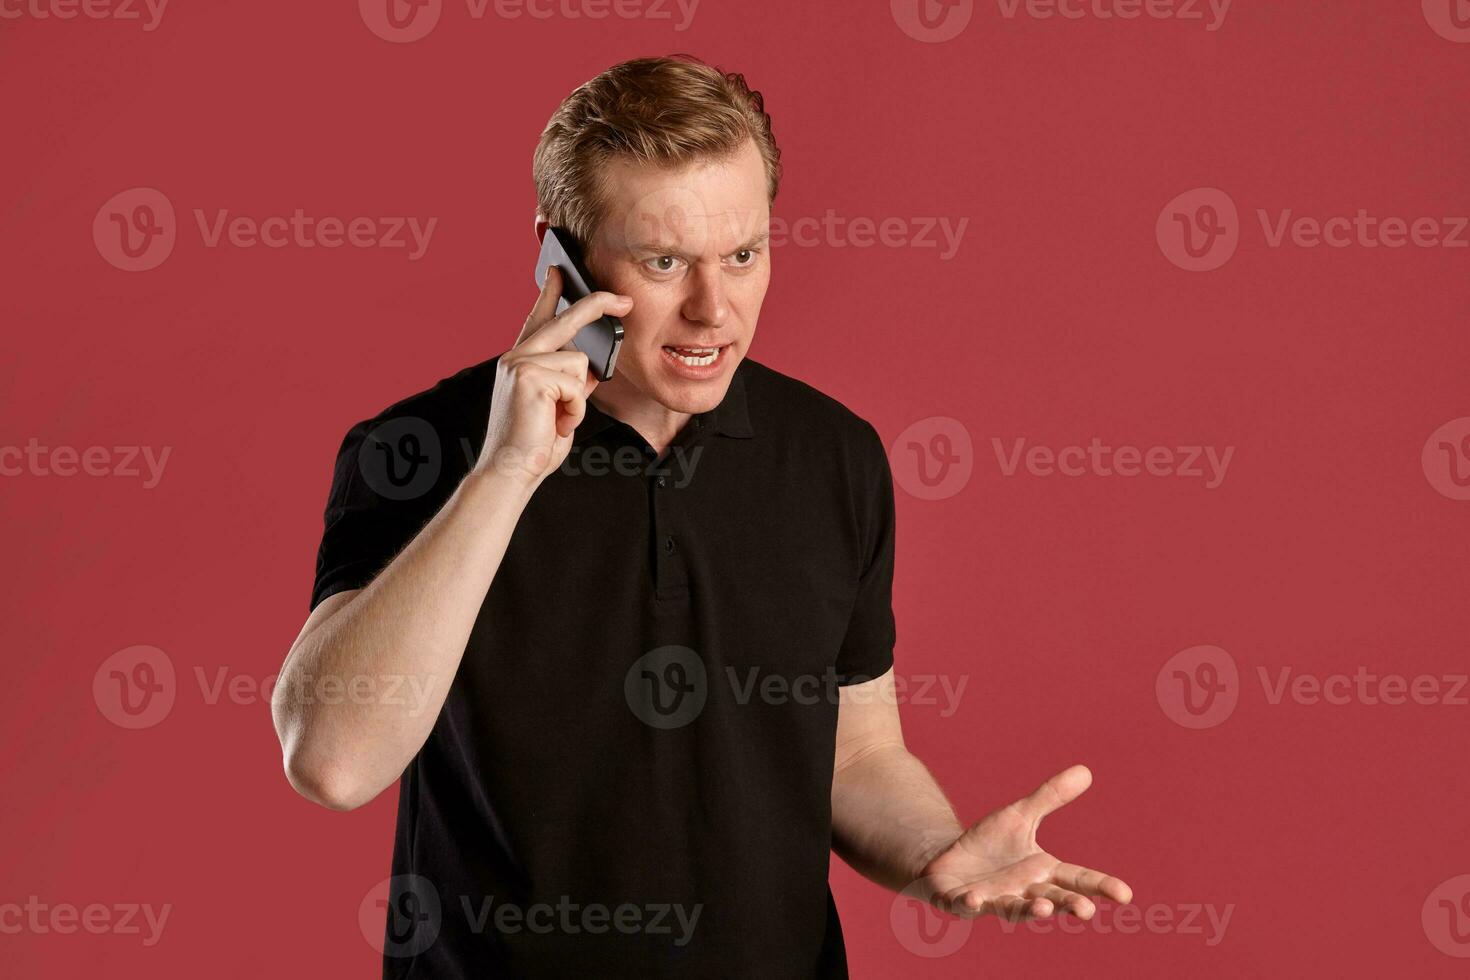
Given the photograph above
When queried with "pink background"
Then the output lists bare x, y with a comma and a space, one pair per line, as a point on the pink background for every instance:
1327, 547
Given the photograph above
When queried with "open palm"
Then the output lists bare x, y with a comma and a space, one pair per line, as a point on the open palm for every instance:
997, 868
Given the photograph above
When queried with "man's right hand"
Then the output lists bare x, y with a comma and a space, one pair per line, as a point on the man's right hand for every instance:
541, 386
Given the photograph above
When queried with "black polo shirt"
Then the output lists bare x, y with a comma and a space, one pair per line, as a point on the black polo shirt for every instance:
631, 775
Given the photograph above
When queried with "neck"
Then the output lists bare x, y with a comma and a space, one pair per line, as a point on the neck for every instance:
657, 424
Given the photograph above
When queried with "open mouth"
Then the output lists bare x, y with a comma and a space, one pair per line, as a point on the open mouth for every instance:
695, 356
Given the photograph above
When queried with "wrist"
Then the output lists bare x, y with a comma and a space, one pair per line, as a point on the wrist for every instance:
513, 469
497, 486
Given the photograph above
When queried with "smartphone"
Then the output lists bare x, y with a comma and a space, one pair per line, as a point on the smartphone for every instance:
600, 339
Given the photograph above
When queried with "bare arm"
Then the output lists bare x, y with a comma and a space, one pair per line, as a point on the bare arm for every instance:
406, 632
891, 822
410, 625
889, 816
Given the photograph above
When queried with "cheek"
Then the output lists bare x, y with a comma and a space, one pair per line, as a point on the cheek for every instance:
748, 295
651, 308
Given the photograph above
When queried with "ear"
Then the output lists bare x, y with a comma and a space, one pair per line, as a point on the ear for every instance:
541, 225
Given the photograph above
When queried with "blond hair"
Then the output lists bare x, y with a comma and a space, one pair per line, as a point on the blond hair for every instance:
668, 111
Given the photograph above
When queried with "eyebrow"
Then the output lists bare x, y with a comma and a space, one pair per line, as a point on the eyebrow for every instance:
657, 248
760, 239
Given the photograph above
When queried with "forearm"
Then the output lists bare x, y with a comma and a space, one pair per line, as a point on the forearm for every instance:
889, 816
405, 632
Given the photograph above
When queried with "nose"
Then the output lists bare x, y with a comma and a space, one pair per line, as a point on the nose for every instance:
705, 301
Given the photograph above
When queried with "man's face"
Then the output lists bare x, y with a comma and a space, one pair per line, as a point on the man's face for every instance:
691, 247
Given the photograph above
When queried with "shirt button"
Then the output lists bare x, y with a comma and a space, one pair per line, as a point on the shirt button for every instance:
663, 481
669, 545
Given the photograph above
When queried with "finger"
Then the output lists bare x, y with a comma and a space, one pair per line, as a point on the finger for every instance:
1089, 882
536, 383
1056, 792
1067, 901
545, 307
1017, 907
572, 363
556, 332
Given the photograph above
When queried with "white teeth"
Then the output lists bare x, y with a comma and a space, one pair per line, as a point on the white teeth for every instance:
695, 356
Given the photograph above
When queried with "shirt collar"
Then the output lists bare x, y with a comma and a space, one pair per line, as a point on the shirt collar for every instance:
730, 418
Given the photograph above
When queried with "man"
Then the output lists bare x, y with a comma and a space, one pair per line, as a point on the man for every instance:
650, 619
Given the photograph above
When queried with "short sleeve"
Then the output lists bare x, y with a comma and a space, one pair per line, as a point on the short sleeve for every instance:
867, 647
381, 497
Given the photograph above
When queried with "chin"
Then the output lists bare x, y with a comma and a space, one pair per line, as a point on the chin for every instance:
692, 398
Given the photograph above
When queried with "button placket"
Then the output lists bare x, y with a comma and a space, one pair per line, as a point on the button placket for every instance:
670, 572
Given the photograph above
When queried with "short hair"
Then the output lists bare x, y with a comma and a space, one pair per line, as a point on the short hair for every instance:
669, 111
